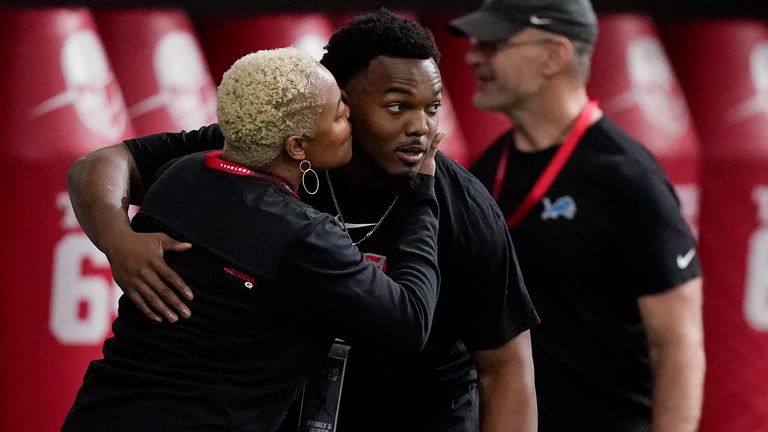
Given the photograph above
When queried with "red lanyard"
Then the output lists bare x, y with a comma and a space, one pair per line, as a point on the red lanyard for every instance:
550, 172
213, 160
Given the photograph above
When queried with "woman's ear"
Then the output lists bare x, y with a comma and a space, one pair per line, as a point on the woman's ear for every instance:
295, 146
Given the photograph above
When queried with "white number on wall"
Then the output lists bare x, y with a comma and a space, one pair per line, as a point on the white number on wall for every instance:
756, 299
81, 304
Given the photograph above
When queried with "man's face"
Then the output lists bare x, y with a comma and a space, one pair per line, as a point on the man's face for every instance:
509, 71
395, 112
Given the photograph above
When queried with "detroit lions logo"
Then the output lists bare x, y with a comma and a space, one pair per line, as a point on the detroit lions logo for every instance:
564, 206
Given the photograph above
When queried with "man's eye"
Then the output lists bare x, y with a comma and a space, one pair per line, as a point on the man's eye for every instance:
396, 108
432, 109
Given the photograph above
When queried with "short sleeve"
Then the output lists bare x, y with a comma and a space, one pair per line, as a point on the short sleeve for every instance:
662, 253
502, 308
153, 151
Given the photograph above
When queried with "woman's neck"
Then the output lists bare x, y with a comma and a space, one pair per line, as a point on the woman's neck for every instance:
288, 171
285, 169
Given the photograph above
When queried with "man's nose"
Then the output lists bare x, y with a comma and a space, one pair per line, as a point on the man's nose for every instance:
474, 55
418, 124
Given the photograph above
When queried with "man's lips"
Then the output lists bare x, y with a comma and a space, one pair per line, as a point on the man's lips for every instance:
483, 81
483, 78
411, 154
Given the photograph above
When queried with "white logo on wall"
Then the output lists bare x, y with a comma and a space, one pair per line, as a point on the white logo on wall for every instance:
654, 88
758, 68
756, 290
185, 86
91, 87
313, 44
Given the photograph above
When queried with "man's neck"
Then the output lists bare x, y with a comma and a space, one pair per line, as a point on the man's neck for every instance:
544, 120
362, 172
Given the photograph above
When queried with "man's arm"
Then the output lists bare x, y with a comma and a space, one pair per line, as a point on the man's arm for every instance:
100, 185
675, 336
506, 386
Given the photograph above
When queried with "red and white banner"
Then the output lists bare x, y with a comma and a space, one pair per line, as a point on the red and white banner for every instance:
161, 69
57, 296
637, 87
723, 66
226, 40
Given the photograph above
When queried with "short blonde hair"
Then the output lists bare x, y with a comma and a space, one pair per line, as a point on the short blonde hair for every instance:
264, 98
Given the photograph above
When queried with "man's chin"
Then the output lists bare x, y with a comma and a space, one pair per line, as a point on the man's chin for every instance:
405, 181
487, 103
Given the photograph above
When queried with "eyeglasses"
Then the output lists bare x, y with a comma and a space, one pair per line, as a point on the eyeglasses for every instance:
490, 48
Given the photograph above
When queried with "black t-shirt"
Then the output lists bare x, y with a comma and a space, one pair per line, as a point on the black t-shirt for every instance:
483, 302
608, 231
274, 281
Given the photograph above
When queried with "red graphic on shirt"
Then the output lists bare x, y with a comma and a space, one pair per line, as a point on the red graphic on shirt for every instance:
242, 276
379, 260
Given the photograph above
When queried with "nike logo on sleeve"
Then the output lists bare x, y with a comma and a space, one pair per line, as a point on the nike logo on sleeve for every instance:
683, 261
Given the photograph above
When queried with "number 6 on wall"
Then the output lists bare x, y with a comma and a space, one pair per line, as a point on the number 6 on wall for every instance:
71, 288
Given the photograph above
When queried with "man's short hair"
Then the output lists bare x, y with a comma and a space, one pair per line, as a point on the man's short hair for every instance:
381, 33
264, 98
582, 58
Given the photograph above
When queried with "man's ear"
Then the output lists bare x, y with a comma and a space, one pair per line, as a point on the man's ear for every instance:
560, 55
295, 146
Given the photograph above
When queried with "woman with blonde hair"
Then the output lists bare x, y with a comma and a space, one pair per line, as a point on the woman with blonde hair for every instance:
274, 280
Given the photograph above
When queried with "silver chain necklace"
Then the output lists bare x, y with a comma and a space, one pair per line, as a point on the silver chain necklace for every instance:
341, 218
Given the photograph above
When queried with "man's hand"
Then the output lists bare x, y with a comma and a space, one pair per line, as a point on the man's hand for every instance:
428, 163
141, 272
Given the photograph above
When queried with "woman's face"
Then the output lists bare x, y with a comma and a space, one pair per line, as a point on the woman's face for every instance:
332, 144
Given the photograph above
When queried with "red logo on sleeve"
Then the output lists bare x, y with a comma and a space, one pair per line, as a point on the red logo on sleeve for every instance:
379, 261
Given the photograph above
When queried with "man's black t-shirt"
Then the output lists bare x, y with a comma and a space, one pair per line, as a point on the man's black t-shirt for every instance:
483, 302
607, 231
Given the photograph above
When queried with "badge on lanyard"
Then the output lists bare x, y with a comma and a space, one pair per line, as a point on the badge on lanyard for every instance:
322, 394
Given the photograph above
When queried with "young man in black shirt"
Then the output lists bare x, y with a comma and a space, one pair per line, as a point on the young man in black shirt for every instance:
610, 264
387, 66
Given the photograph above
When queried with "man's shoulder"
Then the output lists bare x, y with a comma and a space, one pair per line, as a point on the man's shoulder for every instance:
455, 180
613, 151
463, 200
628, 171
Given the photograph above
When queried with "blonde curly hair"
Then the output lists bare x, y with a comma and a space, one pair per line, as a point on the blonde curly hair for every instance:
264, 98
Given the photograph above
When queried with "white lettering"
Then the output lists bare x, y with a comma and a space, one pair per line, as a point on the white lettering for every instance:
756, 290
318, 426
760, 196
68, 220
